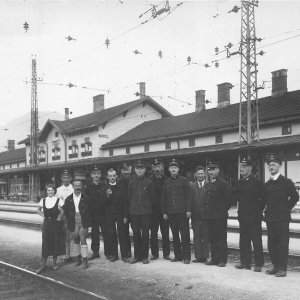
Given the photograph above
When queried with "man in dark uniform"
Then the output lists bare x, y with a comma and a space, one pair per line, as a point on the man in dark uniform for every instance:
126, 177
158, 179
199, 224
98, 215
281, 197
250, 195
217, 203
116, 214
141, 197
176, 205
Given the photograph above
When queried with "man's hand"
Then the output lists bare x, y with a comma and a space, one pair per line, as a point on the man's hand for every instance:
165, 216
125, 220
58, 218
188, 214
108, 192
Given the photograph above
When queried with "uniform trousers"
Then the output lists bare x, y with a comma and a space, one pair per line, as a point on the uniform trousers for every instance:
180, 223
128, 241
95, 246
217, 232
140, 225
159, 222
201, 242
66, 236
114, 220
278, 243
251, 232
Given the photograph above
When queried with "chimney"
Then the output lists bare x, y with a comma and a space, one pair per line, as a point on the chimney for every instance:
67, 114
200, 100
98, 103
279, 82
142, 89
224, 94
10, 145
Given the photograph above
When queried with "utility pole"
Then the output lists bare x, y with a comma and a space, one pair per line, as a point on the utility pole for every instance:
34, 156
248, 114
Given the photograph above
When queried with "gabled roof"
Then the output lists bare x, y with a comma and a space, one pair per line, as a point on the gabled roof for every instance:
271, 110
13, 156
96, 118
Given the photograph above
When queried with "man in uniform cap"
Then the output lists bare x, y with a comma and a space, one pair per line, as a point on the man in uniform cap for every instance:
250, 195
199, 224
126, 174
158, 221
281, 197
217, 203
62, 193
176, 205
141, 197
93, 190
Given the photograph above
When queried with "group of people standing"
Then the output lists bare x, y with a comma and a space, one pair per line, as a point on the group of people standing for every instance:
162, 202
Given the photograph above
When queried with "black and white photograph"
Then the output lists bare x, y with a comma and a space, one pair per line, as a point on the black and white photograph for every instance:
149, 149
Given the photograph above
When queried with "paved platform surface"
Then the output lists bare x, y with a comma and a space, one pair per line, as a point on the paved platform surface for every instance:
232, 238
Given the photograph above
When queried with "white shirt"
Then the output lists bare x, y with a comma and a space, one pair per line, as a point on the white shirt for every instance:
50, 202
201, 183
76, 201
113, 183
275, 177
64, 191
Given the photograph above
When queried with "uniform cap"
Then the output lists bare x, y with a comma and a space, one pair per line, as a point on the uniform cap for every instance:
66, 172
247, 161
174, 163
156, 163
95, 169
213, 164
139, 164
125, 166
274, 158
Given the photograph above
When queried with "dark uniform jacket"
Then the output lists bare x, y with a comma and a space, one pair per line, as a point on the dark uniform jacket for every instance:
124, 182
281, 197
94, 192
250, 194
217, 199
177, 196
141, 196
85, 209
198, 207
158, 186
117, 202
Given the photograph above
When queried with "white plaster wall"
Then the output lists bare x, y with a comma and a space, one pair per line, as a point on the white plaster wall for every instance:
293, 171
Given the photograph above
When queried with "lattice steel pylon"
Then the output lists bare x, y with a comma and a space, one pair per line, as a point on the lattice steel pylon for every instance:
33, 162
248, 114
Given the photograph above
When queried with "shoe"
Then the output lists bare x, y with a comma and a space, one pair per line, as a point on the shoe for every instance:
221, 265
154, 257
41, 269
78, 261
175, 259
203, 260
114, 258
108, 257
85, 263
211, 263
197, 260
247, 267
126, 260
257, 269
186, 261
272, 271
280, 273
68, 260
133, 261
94, 256
167, 257
146, 261
129, 254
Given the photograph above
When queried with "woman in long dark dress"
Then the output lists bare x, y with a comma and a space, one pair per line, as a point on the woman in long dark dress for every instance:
53, 239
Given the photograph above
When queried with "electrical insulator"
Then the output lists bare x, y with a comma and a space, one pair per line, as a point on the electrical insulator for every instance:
26, 26
160, 54
261, 52
107, 42
217, 50
216, 64
235, 9
229, 45
189, 59
206, 65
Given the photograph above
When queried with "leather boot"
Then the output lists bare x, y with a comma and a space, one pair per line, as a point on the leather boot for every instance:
78, 261
85, 263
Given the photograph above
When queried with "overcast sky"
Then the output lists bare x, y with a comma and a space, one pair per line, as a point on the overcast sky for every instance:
189, 30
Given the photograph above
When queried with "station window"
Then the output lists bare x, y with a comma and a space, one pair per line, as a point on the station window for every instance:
219, 139
86, 147
191, 142
146, 148
168, 145
56, 133
286, 129
56, 153
73, 149
127, 150
111, 152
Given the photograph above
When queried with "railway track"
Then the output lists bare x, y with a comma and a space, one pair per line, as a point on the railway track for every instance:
20, 284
